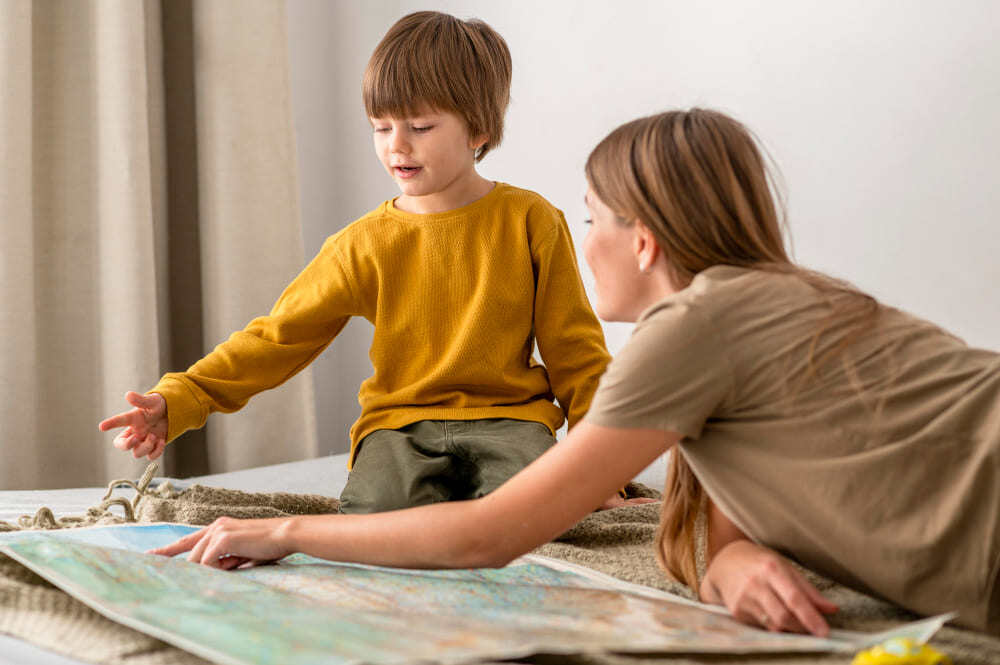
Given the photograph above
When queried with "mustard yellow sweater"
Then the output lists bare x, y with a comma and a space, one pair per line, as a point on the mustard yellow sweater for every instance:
457, 299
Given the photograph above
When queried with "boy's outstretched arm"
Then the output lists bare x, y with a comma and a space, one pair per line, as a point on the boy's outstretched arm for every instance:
267, 352
542, 501
145, 425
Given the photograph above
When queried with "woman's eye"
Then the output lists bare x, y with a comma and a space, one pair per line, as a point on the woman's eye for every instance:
588, 221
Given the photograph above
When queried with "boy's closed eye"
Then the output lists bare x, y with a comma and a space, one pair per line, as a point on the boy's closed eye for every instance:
419, 129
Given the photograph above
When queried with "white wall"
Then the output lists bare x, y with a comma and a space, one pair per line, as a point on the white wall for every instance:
883, 116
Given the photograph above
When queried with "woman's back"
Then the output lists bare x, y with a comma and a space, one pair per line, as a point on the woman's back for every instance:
880, 468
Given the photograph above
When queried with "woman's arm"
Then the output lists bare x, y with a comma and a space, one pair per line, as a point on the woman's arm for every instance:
542, 501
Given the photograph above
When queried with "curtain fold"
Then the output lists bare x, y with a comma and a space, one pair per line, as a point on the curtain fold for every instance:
147, 209
19, 413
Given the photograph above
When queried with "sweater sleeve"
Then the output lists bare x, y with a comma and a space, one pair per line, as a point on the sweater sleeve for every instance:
311, 311
570, 338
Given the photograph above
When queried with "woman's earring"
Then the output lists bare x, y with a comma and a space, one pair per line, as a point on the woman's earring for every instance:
643, 267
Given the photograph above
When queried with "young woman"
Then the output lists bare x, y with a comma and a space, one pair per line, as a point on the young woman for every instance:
805, 417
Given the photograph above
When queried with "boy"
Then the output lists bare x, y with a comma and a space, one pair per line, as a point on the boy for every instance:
459, 276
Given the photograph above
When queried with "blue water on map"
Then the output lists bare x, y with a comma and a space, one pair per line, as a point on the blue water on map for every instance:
124, 537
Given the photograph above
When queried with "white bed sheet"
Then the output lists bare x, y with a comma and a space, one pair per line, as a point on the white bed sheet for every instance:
323, 475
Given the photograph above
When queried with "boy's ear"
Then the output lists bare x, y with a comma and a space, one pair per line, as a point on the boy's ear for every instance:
477, 142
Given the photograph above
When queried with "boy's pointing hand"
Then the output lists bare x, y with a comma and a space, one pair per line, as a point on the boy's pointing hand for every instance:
145, 426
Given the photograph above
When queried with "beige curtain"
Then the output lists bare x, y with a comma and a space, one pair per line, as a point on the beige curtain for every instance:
148, 207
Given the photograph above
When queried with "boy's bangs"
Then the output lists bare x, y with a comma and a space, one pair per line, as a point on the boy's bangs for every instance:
406, 88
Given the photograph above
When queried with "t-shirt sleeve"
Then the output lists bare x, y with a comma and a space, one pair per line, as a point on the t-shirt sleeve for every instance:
673, 374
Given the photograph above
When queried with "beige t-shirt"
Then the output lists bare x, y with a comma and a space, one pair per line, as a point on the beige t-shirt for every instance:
893, 490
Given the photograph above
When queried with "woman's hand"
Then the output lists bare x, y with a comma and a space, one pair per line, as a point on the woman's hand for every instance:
228, 542
616, 500
762, 588
145, 426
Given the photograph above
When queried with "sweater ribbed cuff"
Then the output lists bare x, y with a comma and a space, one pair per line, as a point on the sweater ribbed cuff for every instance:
184, 410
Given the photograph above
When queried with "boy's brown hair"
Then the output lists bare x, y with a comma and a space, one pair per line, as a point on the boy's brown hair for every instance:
431, 59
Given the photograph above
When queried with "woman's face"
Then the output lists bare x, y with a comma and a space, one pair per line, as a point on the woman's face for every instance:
609, 249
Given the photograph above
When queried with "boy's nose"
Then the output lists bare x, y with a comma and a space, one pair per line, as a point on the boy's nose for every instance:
398, 143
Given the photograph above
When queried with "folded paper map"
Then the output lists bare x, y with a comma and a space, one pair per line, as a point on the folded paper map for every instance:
307, 610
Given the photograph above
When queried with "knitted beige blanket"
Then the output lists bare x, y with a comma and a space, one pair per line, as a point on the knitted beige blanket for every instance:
617, 542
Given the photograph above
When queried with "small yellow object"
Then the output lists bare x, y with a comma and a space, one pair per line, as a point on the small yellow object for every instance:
901, 651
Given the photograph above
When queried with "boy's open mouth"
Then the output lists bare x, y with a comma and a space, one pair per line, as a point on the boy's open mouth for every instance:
406, 171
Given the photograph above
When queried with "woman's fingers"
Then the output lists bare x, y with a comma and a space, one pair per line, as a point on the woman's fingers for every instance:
219, 549
230, 562
180, 545
762, 588
822, 603
776, 614
758, 604
195, 555
709, 593
793, 591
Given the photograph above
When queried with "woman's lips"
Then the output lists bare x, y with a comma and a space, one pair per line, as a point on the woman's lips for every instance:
406, 172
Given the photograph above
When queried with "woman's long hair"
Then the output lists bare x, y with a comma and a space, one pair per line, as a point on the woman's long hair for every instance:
699, 182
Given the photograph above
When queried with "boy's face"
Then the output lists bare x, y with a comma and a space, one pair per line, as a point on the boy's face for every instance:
426, 154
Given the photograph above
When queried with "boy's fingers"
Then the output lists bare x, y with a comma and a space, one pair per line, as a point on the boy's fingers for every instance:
157, 450
135, 399
145, 447
143, 401
121, 420
125, 440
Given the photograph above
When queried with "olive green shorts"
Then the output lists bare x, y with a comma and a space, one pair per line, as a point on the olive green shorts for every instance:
439, 460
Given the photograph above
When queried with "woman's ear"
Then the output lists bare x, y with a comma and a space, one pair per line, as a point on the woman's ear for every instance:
645, 247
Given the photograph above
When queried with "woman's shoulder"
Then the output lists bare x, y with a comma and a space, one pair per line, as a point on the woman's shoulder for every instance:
726, 291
